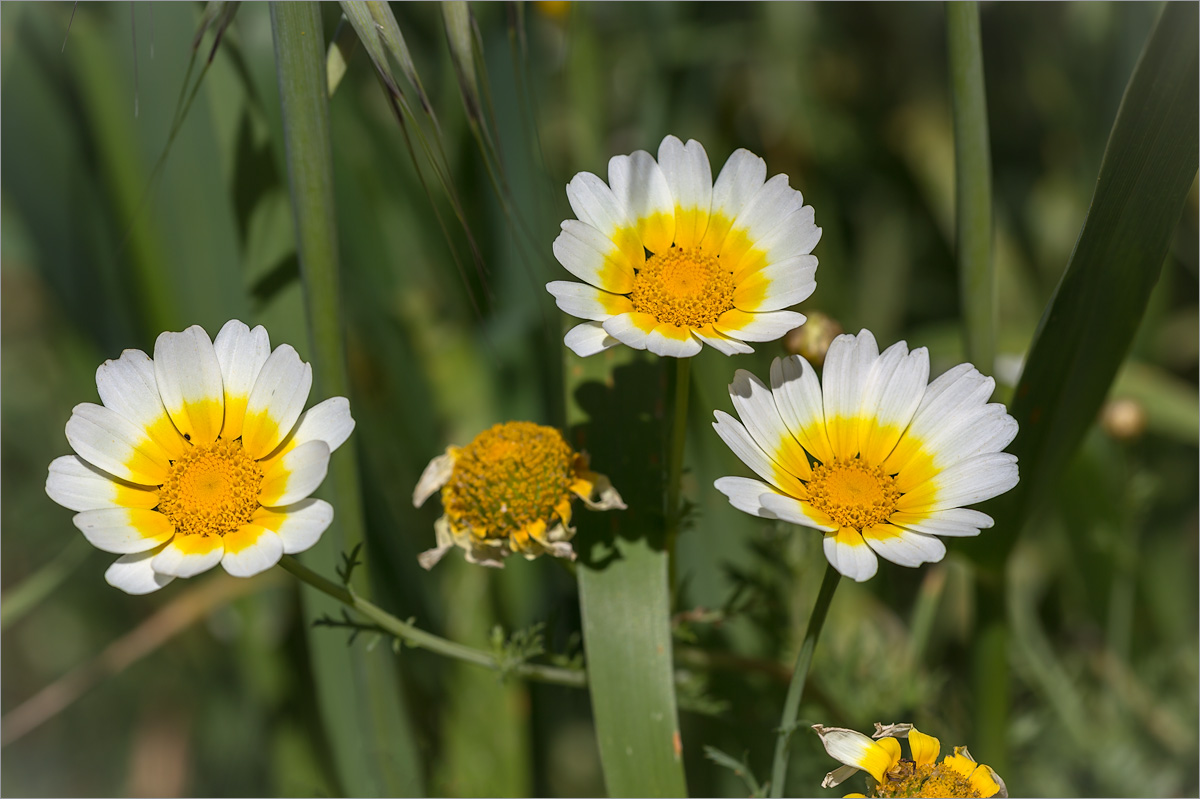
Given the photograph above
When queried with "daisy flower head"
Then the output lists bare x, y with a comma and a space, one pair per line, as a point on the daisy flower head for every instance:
510, 490
671, 260
918, 775
202, 455
877, 460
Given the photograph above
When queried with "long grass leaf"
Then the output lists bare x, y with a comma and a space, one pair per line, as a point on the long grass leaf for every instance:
360, 700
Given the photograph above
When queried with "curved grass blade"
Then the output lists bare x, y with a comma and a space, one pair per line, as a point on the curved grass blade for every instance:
1086, 330
360, 700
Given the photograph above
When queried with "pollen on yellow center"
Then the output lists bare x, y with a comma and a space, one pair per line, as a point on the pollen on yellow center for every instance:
909, 779
853, 493
683, 286
508, 478
211, 490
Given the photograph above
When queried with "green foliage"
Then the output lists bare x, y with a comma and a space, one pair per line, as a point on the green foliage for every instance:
114, 227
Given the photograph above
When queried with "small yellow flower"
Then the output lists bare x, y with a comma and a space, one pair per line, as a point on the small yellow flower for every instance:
510, 490
893, 775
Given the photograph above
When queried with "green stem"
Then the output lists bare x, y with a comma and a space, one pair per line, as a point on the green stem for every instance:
675, 448
791, 706
416, 637
973, 183
29, 594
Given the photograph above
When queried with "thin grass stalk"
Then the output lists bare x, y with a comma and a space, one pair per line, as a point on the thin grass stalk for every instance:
791, 705
675, 448
973, 184
361, 705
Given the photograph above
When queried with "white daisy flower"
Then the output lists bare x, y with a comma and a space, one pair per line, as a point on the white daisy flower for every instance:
200, 456
670, 260
877, 460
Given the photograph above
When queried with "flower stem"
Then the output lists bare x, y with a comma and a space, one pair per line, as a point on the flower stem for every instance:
675, 447
791, 706
416, 637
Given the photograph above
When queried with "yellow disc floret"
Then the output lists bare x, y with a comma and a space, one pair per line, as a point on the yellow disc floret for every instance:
211, 490
509, 481
853, 493
909, 779
683, 286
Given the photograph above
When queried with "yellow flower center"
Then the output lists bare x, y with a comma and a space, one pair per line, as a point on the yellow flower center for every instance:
683, 286
853, 493
909, 779
507, 478
211, 490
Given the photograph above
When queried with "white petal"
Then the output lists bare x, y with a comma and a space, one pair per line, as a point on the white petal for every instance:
848, 747
770, 206
76, 484
631, 329
891, 394
276, 401
587, 302
722, 344
639, 185
241, 353
190, 384
907, 548
766, 326
847, 366
794, 511
250, 550
189, 555
798, 398
296, 475
588, 339
594, 203
329, 421
795, 235
299, 526
740, 179
949, 522
666, 340
965, 483
853, 559
437, 474
134, 574
778, 285
838, 776
108, 440
128, 386
594, 258
124, 530
743, 445
689, 177
745, 494
755, 406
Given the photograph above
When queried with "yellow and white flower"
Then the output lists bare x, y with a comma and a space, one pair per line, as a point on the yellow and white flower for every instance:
510, 490
203, 455
671, 260
921, 775
876, 459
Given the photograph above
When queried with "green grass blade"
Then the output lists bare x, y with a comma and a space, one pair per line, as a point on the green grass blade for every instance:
973, 184
623, 576
360, 700
1086, 331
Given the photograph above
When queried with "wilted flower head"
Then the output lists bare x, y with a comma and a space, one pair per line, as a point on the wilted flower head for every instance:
510, 490
876, 459
671, 260
203, 455
958, 775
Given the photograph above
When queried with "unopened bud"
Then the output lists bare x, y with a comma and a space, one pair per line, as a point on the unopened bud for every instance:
1123, 418
812, 339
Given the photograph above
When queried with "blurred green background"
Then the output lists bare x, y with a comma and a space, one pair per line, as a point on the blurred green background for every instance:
111, 232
